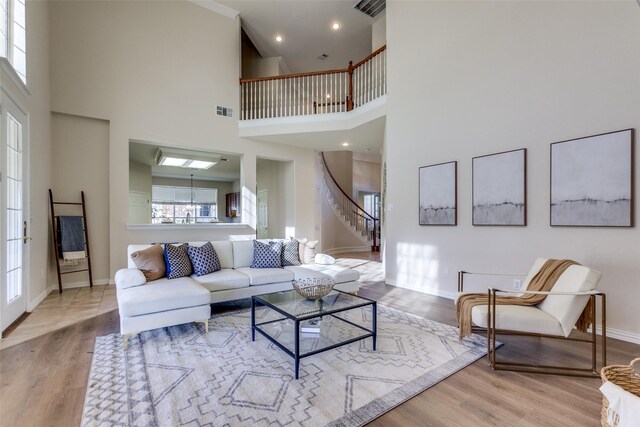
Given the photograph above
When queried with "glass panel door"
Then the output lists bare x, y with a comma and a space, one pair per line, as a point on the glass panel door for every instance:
14, 233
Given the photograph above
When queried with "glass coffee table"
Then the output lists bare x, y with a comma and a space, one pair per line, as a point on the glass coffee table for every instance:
302, 327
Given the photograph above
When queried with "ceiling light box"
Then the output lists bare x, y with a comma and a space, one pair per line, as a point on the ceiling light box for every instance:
184, 159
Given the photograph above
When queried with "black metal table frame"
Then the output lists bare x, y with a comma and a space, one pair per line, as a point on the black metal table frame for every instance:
295, 354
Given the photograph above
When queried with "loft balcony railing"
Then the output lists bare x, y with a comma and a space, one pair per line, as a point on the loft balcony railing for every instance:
319, 92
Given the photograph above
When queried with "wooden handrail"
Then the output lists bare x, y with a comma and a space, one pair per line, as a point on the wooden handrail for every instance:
315, 73
370, 56
326, 167
293, 76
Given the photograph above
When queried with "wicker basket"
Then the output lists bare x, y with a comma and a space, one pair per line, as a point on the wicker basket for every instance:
623, 376
313, 288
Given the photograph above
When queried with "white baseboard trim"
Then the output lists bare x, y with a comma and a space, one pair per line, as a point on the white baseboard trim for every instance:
436, 292
33, 304
334, 251
620, 335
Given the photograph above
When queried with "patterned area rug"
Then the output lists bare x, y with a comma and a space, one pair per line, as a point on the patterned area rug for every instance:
182, 376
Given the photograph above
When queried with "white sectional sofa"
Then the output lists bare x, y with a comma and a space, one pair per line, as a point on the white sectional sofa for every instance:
165, 302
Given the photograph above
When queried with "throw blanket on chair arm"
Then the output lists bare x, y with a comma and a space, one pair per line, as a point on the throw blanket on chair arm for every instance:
544, 281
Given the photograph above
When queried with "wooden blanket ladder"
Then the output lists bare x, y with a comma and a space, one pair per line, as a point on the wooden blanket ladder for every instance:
56, 238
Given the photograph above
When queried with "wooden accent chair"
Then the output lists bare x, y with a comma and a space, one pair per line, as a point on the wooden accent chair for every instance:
554, 317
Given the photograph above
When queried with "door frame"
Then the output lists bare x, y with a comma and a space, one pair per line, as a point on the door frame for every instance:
9, 104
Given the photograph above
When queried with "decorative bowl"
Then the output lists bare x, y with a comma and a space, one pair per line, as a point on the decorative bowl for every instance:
313, 288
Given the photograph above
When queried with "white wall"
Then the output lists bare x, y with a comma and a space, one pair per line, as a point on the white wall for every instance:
139, 177
473, 78
367, 176
83, 167
379, 33
278, 178
160, 82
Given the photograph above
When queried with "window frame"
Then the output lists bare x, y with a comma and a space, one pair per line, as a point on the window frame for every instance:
194, 206
8, 44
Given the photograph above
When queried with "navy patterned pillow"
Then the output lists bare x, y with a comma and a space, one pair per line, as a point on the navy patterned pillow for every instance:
178, 264
204, 259
267, 255
290, 254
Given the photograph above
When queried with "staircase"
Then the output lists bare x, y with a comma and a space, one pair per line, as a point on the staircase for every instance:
363, 225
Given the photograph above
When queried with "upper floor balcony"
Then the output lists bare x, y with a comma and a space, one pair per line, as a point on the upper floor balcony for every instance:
333, 100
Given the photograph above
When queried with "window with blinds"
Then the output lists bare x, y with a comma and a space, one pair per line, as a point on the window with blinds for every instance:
183, 205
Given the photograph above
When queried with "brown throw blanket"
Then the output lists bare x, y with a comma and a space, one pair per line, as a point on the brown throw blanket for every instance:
542, 281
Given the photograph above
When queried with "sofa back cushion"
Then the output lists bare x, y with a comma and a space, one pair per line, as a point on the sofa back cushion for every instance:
242, 253
224, 250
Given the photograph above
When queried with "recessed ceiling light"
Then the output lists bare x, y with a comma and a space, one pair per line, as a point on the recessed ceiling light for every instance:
328, 95
279, 38
345, 144
336, 26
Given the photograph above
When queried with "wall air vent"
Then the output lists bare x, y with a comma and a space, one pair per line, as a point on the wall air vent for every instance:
371, 8
224, 111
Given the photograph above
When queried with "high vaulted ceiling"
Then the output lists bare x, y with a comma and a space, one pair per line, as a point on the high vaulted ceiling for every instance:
306, 30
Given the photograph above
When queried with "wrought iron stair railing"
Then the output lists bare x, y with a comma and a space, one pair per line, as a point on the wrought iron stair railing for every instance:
363, 222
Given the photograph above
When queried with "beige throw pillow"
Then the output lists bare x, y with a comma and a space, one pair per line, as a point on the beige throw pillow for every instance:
151, 262
307, 250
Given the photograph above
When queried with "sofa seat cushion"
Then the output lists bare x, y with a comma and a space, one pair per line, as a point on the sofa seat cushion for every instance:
263, 276
519, 318
337, 273
162, 295
226, 278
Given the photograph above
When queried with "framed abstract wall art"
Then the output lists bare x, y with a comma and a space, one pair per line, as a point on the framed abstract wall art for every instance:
592, 181
438, 194
499, 188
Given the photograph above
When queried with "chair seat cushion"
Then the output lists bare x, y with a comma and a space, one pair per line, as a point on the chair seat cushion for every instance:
262, 276
337, 273
162, 295
226, 278
518, 318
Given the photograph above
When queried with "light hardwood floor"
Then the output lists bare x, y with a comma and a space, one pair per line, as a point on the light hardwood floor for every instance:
60, 310
44, 379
